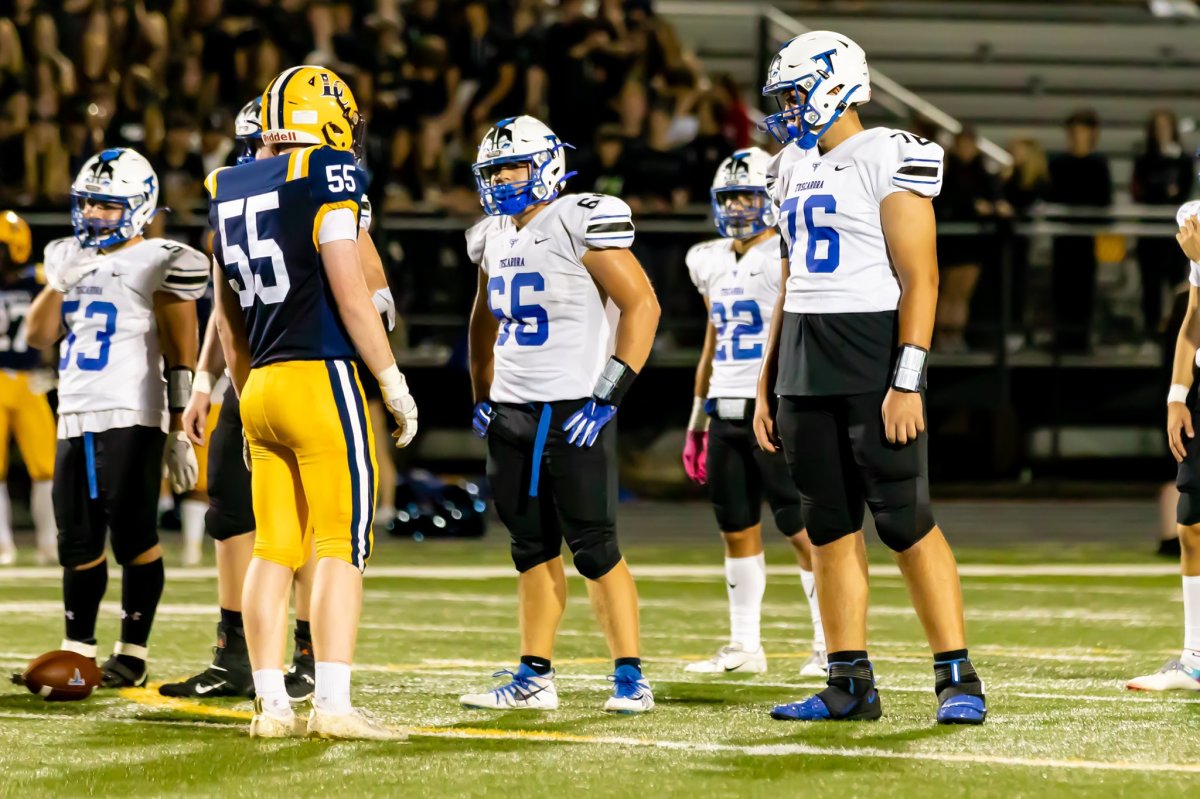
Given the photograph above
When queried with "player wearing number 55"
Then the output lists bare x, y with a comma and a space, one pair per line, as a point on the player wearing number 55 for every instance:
555, 276
846, 360
125, 303
293, 309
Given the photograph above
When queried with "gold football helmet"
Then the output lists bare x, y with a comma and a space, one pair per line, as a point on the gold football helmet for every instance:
311, 105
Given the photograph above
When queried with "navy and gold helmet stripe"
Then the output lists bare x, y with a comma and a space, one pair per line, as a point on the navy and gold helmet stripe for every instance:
272, 112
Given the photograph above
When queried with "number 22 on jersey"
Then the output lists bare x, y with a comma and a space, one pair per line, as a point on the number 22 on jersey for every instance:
816, 259
746, 319
532, 323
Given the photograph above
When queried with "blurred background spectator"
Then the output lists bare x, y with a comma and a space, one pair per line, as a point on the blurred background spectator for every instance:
1078, 177
1162, 175
1025, 183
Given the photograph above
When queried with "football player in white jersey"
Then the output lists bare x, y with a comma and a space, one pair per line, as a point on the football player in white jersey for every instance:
738, 277
1183, 418
548, 378
126, 303
846, 360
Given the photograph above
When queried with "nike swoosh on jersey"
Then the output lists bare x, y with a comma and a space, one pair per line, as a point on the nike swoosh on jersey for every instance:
539, 241
843, 166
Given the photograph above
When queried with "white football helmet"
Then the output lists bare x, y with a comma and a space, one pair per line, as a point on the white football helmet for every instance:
814, 78
741, 205
517, 140
247, 129
116, 175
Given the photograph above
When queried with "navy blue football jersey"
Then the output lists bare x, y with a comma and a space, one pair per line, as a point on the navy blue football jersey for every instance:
266, 215
15, 299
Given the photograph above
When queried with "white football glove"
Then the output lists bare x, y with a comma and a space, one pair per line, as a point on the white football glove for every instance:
246, 451
67, 263
399, 403
385, 304
42, 381
179, 458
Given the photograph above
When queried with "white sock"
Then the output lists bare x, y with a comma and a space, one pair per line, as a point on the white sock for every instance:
332, 692
268, 685
42, 504
6, 535
746, 581
814, 608
1191, 622
191, 517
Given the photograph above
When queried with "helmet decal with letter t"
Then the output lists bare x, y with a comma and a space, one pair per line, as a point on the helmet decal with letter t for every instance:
120, 176
814, 78
741, 205
520, 140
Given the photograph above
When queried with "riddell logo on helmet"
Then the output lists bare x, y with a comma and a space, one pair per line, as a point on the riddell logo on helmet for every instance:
282, 136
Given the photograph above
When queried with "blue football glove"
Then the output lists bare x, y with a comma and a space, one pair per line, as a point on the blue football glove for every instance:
587, 422
482, 419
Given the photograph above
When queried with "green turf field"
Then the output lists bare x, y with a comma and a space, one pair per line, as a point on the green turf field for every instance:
439, 619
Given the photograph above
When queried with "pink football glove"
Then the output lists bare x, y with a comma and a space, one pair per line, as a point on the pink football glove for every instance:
695, 456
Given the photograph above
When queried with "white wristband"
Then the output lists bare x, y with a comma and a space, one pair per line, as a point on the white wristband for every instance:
1178, 393
203, 382
699, 419
391, 382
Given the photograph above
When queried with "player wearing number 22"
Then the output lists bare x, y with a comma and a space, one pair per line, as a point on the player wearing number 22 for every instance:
125, 302
846, 358
548, 379
292, 311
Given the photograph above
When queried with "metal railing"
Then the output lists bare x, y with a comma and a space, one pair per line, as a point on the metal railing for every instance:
887, 92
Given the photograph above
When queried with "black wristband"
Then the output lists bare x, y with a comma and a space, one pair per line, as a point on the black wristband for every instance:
909, 373
614, 382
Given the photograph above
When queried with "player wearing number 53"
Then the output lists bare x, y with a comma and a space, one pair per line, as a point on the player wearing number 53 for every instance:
125, 303
846, 360
293, 309
555, 273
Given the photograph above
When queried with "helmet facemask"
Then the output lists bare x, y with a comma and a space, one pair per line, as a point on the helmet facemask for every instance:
742, 212
99, 232
512, 197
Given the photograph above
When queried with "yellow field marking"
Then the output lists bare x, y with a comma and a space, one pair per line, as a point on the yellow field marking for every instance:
150, 697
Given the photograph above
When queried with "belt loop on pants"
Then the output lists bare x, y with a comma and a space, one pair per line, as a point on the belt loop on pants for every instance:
89, 456
539, 446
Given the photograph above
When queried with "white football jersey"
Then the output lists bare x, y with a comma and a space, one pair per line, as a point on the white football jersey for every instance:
555, 332
829, 215
741, 294
110, 369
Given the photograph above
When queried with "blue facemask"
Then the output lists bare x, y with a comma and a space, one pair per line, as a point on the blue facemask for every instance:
510, 199
102, 233
793, 124
744, 223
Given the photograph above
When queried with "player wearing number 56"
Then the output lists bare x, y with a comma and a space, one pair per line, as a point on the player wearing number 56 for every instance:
293, 310
555, 277
125, 303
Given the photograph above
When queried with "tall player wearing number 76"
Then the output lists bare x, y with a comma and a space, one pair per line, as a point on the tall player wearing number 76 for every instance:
292, 311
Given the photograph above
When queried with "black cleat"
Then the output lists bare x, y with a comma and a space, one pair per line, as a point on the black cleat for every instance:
129, 672
301, 677
229, 674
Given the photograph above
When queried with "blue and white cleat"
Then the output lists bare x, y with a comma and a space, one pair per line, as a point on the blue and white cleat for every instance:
631, 692
1173, 676
832, 704
961, 708
526, 691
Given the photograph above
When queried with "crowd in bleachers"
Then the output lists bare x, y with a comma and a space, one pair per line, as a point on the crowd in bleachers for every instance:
168, 76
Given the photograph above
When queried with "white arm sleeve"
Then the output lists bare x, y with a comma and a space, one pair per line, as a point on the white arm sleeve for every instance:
338, 225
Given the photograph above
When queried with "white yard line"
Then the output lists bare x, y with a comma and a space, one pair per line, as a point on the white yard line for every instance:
666, 571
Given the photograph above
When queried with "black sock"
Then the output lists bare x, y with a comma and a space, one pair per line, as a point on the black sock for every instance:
231, 618
851, 671
635, 662
953, 668
141, 588
303, 633
83, 590
539, 665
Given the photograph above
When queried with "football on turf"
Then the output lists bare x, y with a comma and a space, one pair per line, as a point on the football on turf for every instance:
60, 676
